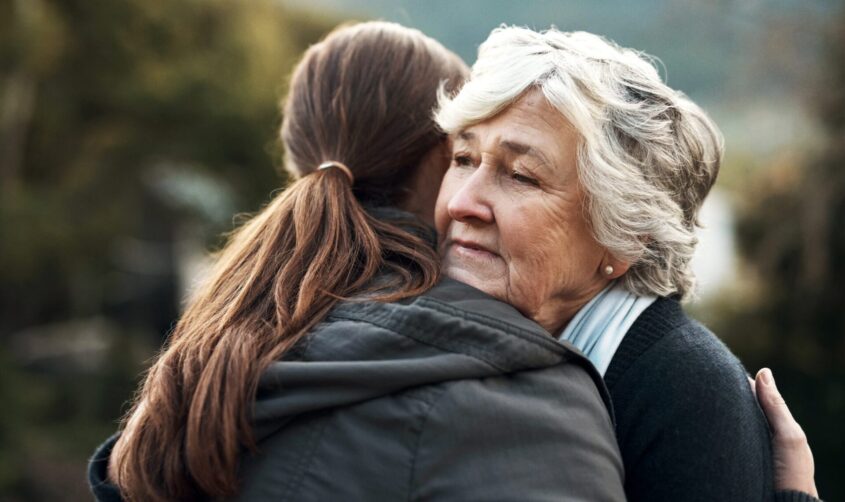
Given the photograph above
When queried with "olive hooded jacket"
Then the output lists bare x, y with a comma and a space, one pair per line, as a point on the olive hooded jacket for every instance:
451, 395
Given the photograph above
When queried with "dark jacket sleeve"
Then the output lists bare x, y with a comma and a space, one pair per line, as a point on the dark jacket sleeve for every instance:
689, 426
98, 481
531, 436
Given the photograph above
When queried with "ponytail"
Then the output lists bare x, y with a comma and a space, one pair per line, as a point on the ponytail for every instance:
276, 278
363, 96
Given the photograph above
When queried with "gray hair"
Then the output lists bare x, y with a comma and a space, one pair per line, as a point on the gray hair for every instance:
648, 155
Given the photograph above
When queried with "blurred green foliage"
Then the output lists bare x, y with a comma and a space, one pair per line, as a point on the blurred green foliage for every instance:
125, 125
792, 235
129, 128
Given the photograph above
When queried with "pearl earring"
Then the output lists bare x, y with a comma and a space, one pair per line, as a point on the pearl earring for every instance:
608, 270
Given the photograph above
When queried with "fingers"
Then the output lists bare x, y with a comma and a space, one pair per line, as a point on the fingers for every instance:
793, 460
780, 418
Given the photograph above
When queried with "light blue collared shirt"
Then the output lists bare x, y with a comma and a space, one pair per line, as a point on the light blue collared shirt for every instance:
599, 327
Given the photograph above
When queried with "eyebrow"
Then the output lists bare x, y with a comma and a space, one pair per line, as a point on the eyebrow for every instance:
466, 136
527, 150
511, 145
521, 149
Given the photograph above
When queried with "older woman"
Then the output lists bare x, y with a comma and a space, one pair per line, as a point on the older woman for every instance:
576, 181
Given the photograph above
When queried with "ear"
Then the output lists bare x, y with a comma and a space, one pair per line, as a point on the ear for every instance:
423, 187
615, 266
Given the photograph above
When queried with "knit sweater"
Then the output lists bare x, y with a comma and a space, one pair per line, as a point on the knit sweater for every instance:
688, 425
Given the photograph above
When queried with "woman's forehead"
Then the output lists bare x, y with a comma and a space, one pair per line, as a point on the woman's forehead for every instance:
528, 127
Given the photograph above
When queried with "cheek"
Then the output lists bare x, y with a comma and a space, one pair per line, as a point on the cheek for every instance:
535, 231
576, 253
534, 248
551, 246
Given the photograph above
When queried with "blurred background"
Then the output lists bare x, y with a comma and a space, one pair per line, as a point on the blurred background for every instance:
132, 131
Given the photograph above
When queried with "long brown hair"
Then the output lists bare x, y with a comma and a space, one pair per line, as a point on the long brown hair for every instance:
363, 97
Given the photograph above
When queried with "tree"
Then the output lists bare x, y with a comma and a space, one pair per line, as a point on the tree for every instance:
124, 125
793, 235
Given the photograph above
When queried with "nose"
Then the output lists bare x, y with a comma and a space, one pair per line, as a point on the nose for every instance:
469, 203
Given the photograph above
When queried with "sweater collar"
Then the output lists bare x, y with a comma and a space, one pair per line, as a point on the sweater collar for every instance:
598, 328
664, 315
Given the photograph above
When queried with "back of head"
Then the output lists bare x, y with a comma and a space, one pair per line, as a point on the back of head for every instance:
362, 98
648, 155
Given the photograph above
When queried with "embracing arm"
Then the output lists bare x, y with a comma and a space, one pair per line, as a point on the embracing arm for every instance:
534, 436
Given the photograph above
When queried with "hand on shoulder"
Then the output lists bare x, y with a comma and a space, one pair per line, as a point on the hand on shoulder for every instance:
793, 459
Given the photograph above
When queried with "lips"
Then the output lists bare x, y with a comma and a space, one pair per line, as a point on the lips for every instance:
472, 248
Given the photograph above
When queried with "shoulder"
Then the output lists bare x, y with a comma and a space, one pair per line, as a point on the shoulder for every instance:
451, 318
98, 481
674, 361
690, 374
523, 436
680, 375
381, 348
670, 348
685, 412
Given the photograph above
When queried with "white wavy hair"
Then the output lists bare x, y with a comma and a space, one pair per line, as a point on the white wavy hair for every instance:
648, 155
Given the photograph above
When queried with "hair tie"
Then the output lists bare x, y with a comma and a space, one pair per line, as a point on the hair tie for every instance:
339, 165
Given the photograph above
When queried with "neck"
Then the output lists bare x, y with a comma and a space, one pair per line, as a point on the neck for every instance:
555, 315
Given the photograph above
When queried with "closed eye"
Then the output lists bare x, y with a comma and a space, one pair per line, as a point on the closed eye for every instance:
462, 160
521, 178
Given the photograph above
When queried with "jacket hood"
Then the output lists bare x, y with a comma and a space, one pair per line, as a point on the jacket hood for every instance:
364, 350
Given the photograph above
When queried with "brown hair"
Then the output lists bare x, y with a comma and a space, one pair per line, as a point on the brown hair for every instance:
362, 97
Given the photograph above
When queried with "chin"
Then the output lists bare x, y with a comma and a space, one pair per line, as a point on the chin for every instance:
462, 275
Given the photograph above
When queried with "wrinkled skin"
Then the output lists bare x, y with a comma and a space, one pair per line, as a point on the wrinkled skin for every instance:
510, 215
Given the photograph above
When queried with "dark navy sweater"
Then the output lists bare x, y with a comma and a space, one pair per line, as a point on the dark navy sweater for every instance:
688, 426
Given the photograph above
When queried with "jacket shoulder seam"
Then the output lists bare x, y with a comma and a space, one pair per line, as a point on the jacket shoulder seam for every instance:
468, 353
546, 341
